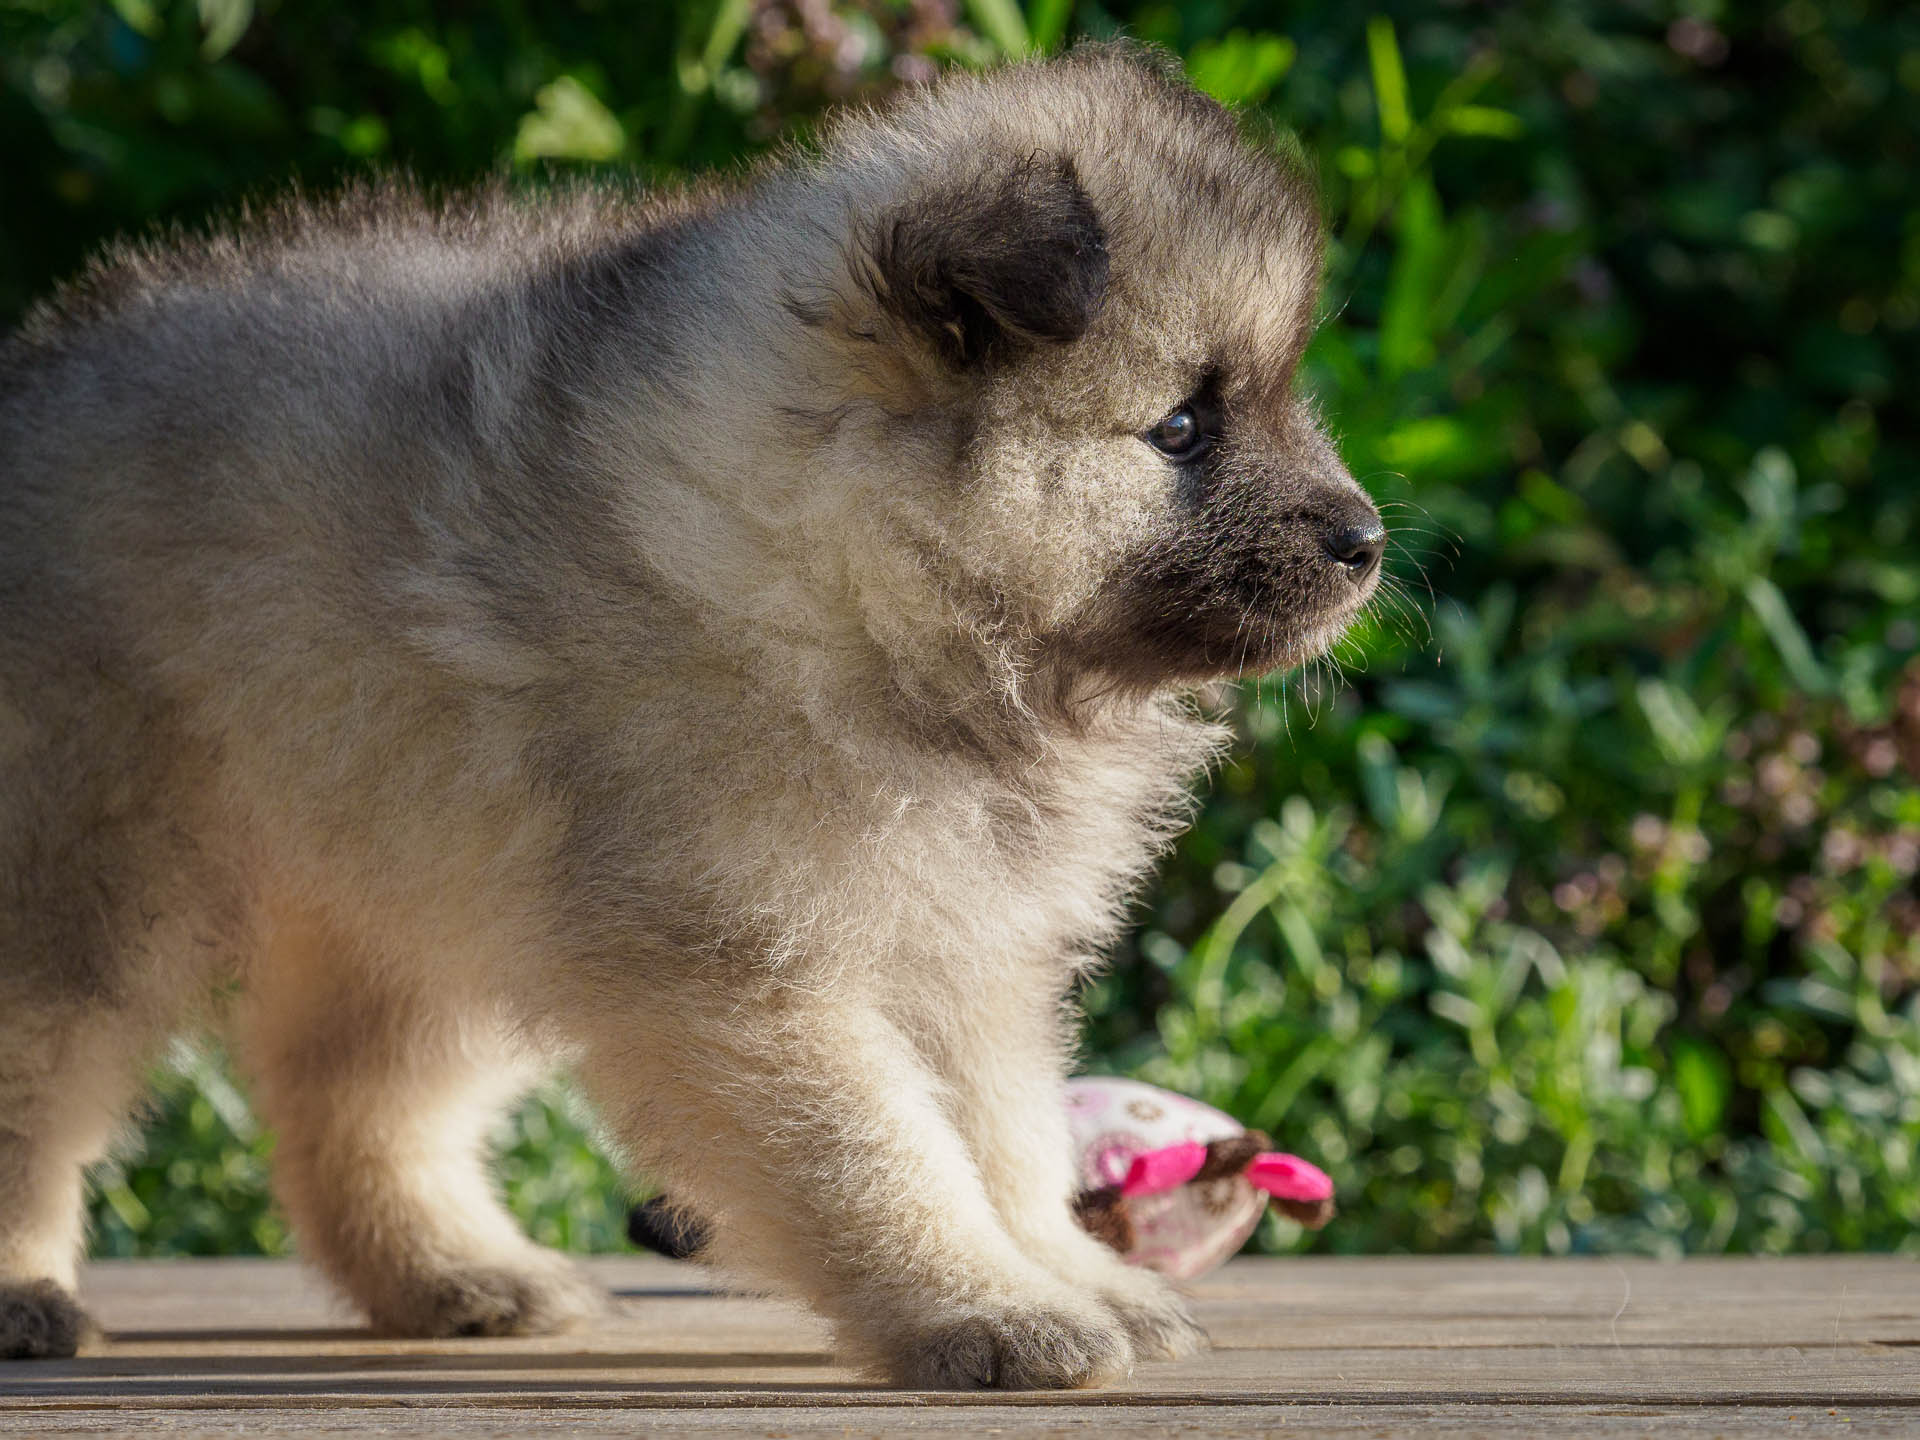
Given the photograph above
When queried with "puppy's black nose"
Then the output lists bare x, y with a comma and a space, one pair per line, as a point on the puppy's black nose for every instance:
1357, 545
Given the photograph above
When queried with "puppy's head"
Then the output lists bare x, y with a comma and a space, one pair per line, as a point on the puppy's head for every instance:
1078, 298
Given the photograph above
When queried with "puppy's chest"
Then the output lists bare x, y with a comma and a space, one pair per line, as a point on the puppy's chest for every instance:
1049, 870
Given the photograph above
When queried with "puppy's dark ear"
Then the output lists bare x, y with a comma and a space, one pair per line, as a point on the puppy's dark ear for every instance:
1009, 257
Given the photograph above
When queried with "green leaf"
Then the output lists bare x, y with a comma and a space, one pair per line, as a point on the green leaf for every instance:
1047, 23
568, 123
1776, 618
1685, 737
1379, 779
142, 16
1001, 22
1420, 445
1389, 81
729, 24
1406, 338
1240, 69
1704, 1079
1485, 121
224, 22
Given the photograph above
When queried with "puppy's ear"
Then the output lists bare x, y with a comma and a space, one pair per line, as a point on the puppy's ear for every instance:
1006, 258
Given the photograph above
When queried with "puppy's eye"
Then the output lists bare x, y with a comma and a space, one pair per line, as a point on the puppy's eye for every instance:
1181, 436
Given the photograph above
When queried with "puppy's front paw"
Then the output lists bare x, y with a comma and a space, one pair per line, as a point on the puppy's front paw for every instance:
41, 1321
493, 1300
1154, 1316
1018, 1348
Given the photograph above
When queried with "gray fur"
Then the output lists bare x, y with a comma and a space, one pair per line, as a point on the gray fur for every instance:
735, 643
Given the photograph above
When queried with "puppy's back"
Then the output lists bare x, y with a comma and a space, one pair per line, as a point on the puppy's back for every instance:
248, 485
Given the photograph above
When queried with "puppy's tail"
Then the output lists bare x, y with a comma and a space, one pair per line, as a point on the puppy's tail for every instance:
666, 1230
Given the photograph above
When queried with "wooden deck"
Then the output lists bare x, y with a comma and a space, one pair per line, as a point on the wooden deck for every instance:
1377, 1348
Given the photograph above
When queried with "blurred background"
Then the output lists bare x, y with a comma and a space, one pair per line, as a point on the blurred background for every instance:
1573, 906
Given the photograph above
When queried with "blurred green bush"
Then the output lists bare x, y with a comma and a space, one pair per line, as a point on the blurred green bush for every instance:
1571, 906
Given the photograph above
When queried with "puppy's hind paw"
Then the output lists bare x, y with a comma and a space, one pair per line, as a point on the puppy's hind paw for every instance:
488, 1300
41, 1321
1019, 1349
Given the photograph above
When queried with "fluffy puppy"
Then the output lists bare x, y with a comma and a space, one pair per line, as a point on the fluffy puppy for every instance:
733, 643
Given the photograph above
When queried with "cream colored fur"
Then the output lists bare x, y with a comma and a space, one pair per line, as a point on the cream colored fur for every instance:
622, 634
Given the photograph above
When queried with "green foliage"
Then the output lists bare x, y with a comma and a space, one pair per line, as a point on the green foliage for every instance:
1581, 915
1572, 905
197, 1184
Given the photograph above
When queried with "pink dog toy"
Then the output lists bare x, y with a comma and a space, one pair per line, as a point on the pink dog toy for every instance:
1175, 1185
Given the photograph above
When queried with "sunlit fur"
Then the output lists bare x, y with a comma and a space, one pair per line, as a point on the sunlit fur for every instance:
732, 643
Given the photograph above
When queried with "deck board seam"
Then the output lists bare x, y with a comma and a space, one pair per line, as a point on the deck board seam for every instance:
789, 1400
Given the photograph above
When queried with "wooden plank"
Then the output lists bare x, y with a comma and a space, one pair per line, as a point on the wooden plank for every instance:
1444, 1302
1466, 1301
1295, 1422
1309, 1303
1312, 1346
651, 1379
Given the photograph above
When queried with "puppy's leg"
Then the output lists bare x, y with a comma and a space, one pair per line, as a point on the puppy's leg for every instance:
382, 1094
102, 934
807, 1129
1006, 1069
64, 1084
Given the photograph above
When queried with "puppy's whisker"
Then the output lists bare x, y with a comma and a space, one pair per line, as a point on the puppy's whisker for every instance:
1393, 590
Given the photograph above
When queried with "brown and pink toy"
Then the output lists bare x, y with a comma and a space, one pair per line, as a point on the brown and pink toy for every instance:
1173, 1185
1177, 1186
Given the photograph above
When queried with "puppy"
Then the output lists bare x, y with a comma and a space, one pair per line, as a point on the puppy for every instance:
737, 644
